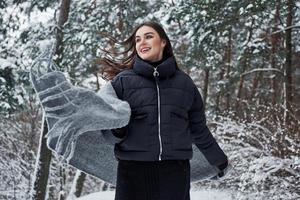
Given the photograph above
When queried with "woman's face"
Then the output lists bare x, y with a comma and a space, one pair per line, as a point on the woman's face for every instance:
149, 46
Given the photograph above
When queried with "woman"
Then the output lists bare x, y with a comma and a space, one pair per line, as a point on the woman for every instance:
167, 117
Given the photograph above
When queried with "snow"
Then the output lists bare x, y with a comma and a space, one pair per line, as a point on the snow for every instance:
6, 63
203, 12
250, 6
5, 105
257, 174
20, 99
45, 44
241, 10
195, 195
2, 80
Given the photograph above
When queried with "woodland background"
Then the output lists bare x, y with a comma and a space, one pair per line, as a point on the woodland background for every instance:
243, 55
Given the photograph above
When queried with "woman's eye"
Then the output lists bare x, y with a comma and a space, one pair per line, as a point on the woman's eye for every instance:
137, 40
149, 36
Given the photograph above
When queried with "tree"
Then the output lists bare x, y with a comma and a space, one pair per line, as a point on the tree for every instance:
288, 64
44, 154
43, 161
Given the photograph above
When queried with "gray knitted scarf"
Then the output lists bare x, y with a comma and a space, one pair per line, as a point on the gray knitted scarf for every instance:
77, 118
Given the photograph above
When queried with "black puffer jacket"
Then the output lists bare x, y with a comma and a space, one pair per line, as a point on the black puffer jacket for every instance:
167, 115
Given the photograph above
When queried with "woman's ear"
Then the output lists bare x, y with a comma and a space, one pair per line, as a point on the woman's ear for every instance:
163, 43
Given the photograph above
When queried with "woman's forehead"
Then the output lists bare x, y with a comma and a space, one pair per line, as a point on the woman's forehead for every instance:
145, 30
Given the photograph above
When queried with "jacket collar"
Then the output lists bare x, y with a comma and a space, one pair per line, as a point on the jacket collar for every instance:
166, 69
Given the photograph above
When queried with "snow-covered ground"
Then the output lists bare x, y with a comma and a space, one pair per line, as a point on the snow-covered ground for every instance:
195, 195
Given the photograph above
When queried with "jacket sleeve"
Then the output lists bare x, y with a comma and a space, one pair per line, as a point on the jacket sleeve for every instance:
118, 86
200, 133
119, 133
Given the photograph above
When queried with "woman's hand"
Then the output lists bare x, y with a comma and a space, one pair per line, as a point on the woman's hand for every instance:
224, 169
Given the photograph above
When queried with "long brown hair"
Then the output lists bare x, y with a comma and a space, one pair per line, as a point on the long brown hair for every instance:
111, 64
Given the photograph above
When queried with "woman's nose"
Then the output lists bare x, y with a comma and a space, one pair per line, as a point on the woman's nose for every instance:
143, 41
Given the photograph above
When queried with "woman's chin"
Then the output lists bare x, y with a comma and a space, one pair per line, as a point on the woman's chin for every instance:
147, 58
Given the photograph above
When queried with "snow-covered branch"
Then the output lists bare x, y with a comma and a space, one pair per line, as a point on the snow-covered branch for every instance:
286, 28
263, 70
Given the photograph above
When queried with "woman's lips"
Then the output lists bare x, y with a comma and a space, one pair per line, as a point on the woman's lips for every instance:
145, 49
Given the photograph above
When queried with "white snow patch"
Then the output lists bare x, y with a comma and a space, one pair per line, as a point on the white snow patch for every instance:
250, 6
203, 12
6, 63
5, 105
195, 195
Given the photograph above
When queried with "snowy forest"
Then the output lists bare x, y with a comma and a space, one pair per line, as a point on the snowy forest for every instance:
244, 56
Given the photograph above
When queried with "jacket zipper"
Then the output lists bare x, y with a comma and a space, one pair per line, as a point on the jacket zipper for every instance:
156, 74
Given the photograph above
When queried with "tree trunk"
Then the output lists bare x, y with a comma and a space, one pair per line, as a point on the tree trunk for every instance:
105, 187
205, 87
245, 66
275, 39
228, 64
288, 65
275, 43
97, 81
41, 172
221, 77
77, 185
62, 193
62, 19
44, 154
256, 79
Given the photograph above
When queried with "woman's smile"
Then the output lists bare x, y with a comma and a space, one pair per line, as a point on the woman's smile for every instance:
145, 49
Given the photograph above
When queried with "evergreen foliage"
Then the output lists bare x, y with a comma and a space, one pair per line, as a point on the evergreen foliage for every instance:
234, 50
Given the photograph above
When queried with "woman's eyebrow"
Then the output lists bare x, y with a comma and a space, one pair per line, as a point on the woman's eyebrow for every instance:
148, 33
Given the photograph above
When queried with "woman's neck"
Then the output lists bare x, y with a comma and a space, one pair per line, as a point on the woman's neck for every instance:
156, 63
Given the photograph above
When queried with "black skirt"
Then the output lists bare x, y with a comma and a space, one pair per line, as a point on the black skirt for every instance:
153, 180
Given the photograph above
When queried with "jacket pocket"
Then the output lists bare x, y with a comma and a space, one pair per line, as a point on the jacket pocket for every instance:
137, 138
139, 115
181, 139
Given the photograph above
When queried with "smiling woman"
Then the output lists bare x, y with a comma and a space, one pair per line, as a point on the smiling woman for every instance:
112, 66
148, 44
167, 118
